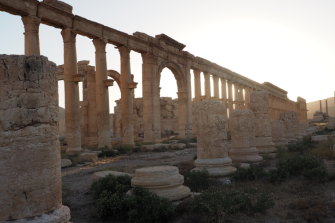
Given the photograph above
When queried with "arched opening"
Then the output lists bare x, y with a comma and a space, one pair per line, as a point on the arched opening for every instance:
173, 108
168, 103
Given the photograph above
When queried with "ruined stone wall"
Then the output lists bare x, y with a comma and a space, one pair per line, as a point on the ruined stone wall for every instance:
169, 117
29, 148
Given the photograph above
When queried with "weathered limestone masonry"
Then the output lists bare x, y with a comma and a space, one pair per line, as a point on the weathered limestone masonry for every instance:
212, 147
259, 102
165, 181
168, 116
291, 124
242, 128
278, 132
30, 188
157, 52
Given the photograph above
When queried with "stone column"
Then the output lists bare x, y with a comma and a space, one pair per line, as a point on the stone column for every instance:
207, 85
327, 107
126, 98
72, 108
31, 35
102, 102
151, 99
260, 106
30, 166
197, 85
320, 105
224, 91
230, 97
212, 147
242, 129
188, 104
216, 87
92, 128
247, 97
235, 96
182, 102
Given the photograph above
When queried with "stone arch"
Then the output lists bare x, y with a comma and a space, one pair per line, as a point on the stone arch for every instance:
176, 70
181, 79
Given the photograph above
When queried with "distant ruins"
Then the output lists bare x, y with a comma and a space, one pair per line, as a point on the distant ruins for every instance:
88, 123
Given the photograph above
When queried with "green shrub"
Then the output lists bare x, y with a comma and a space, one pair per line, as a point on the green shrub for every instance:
311, 167
318, 174
113, 202
111, 205
325, 131
105, 152
197, 180
302, 145
146, 207
216, 203
111, 184
250, 174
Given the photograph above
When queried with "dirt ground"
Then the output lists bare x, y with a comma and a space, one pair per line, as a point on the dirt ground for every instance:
295, 200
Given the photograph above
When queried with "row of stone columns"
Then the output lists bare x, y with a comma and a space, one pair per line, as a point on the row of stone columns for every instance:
71, 79
239, 98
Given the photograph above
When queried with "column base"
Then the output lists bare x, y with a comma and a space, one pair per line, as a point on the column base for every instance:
74, 151
217, 167
265, 144
61, 215
245, 155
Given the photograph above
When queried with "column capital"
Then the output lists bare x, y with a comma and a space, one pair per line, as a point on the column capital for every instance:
124, 51
196, 71
31, 23
100, 45
69, 35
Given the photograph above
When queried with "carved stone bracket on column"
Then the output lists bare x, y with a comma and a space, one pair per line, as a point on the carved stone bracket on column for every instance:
77, 78
132, 85
108, 82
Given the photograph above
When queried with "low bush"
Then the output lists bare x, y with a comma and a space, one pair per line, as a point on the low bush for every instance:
217, 203
250, 174
198, 180
141, 206
105, 152
145, 207
111, 184
311, 167
302, 145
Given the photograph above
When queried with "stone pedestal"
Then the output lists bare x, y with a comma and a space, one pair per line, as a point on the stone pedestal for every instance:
212, 148
242, 137
259, 104
30, 188
165, 181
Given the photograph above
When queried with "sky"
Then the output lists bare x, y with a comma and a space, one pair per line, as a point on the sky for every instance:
290, 43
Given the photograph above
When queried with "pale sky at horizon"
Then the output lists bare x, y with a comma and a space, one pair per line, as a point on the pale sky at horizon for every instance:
290, 43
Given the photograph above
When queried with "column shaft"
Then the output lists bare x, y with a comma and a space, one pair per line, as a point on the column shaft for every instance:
102, 101
151, 99
216, 87
31, 35
72, 108
207, 85
230, 97
126, 98
197, 85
